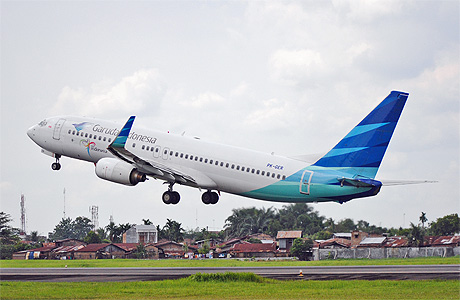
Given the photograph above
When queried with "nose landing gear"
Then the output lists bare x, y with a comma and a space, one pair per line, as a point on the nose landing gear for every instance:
56, 165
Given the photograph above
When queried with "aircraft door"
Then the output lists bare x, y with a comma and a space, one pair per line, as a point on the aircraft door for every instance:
305, 182
57, 129
165, 153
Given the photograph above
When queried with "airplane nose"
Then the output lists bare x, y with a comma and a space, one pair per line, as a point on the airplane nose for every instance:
31, 132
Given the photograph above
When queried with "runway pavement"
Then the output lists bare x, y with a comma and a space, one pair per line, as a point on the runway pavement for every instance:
400, 272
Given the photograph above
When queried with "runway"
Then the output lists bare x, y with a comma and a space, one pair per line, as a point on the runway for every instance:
400, 272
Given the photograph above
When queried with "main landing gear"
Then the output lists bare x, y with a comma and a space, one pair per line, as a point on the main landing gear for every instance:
172, 197
210, 197
56, 166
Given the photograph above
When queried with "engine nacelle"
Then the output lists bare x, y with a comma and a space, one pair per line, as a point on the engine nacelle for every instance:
118, 171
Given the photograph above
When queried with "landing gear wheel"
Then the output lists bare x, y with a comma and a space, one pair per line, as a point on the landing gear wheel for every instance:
170, 197
210, 197
56, 166
175, 198
214, 198
206, 198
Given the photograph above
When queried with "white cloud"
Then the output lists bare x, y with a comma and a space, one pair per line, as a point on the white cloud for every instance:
294, 66
204, 100
132, 94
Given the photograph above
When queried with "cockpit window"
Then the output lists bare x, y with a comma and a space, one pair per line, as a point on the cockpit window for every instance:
42, 123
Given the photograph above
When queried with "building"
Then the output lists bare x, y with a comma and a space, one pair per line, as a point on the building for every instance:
98, 251
253, 250
286, 239
143, 234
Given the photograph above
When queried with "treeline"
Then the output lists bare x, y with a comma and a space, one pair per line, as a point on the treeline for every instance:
242, 222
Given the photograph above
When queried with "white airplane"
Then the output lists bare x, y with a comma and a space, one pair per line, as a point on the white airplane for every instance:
128, 155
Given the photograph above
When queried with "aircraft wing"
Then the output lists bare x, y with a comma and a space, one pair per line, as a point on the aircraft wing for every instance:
155, 169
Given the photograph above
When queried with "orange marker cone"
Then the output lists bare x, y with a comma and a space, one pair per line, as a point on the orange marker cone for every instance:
300, 274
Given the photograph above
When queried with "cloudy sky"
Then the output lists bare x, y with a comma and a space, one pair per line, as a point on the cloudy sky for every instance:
286, 77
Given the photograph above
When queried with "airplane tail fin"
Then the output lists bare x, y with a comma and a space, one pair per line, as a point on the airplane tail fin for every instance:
361, 151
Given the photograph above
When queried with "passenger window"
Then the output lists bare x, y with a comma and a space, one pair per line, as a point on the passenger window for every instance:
201, 159
166, 152
227, 165
171, 153
284, 177
273, 175
110, 140
253, 170
86, 135
151, 149
196, 158
217, 163
268, 174
206, 161
222, 164
263, 173
100, 138
191, 157
158, 150
186, 156
211, 161
242, 169
69, 131
279, 176
177, 154
105, 138
237, 168
248, 170
181, 155
90, 136
134, 145
147, 148
73, 132
233, 166
143, 147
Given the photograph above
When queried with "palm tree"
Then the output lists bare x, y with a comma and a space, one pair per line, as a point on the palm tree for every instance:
423, 219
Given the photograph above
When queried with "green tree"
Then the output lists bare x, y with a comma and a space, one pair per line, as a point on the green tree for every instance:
113, 231
423, 219
81, 227
301, 247
63, 230
416, 235
92, 238
147, 222
8, 234
447, 225
173, 230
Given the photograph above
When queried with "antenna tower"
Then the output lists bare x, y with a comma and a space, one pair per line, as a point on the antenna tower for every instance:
64, 203
23, 214
94, 210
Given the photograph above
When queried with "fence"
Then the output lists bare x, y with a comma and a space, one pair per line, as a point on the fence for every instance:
379, 253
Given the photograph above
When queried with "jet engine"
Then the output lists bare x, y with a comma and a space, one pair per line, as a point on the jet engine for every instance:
118, 171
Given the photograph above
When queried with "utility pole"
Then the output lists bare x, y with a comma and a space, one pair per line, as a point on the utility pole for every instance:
23, 215
64, 203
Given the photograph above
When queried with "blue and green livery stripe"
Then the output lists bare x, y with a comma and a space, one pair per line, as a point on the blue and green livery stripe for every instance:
120, 141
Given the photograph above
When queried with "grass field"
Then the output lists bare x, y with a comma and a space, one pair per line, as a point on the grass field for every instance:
171, 263
241, 286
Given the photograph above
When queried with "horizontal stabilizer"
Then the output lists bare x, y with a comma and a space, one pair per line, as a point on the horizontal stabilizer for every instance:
405, 182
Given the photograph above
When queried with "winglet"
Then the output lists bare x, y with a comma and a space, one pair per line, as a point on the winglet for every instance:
121, 138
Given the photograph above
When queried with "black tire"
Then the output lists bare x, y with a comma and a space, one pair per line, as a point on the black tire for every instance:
56, 166
175, 197
214, 198
206, 198
167, 197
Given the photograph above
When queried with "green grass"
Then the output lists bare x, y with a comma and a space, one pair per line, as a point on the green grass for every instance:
233, 287
120, 263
